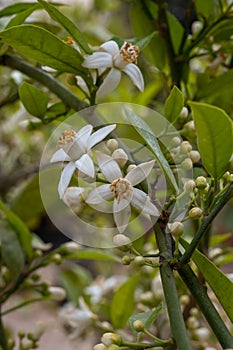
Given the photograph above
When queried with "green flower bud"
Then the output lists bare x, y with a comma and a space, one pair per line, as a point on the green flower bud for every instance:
201, 182
120, 156
122, 241
187, 164
189, 186
185, 147
126, 260
138, 325
175, 141
183, 114
57, 293
111, 338
139, 261
100, 347
57, 259
177, 228
112, 144
131, 167
195, 156
195, 213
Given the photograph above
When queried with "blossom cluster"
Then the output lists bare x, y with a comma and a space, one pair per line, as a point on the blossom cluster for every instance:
75, 150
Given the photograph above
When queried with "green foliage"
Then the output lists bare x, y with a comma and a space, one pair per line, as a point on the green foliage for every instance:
214, 137
93, 254
123, 303
173, 105
34, 100
147, 317
22, 16
16, 8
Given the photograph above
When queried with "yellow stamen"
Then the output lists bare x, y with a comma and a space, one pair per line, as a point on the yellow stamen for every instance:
68, 136
121, 188
129, 53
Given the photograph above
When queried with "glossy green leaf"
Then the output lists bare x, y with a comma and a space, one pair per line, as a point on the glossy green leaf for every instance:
72, 29
16, 8
218, 239
150, 139
217, 280
176, 31
44, 47
34, 100
21, 230
147, 317
141, 42
205, 8
11, 251
214, 137
93, 254
217, 86
173, 105
22, 16
123, 303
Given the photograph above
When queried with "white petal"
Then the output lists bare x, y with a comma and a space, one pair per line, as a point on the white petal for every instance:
138, 174
59, 156
66, 176
83, 135
108, 166
99, 194
110, 82
142, 202
98, 60
110, 47
85, 165
135, 75
99, 135
121, 213
82, 84
72, 195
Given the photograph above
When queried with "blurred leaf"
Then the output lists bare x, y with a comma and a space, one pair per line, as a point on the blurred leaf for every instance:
28, 203
21, 230
217, 86
173, 105
34, 100
11, 251
226, 258
74, 280
44, 47
141, 42
217, 280
214, 137
150, 139
176, 31
16, 8
217, 239
72, 29
93, 254
147, 318
123, 303
21, 16
37, 243
205, 8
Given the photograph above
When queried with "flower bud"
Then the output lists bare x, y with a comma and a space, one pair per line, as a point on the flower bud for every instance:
56, 259
184, 113
175, 141
138, 325
100, 347
201, 182
139, 260
120, 157
196, 27
228, 176
192, 322
37, 332
131, 167
26, 344
184, 299
195, 156
202, 334
187, 164
176, 228
112, 144
72, 197
57, 293
121, 240
185, 147
189, 130
70, 247
195, 213
111, 338
126, 260
189, 186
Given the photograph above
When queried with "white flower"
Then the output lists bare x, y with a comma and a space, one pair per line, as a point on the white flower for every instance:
122, 190
77, 318
74, 148
118, 60
72, 197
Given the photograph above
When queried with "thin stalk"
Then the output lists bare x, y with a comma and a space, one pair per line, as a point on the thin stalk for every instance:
177, 324
211, 314
144, 346
205, 225
19, 306
3, 338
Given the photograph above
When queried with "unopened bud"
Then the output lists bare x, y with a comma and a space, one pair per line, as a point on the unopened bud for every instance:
120, 156
138, 325
196, 26
189, 186
195, 213
122, 241
195, 156
202, 334
185, 147
37, 332
187, 164
228, 176
100, 347
184, 113
112, 144
201, 182
175, 141
131, 167
139, 260
57, 293
73, 197
56, 259
126, 260
26, 344
176, 228
111, 338
70, 247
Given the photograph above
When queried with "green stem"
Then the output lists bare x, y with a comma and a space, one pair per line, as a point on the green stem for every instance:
211, 314
205, 225
19, 306
177, 324
3, 338
144, 346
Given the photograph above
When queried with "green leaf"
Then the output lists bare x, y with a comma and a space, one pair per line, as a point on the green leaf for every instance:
217, 280
72, 29
34, 100
44, 47
21, 230
21, 16
93, 254
173, 105
176, 31
16, 8
205, 8
150, 139
11, 251
214, 137
217, 239
123, 303
147, 318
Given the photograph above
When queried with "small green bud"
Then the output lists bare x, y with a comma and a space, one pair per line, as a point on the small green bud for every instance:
57, 259
111, 338
195, 156
57, 293
189, 186
38, 253
123, 242
177, 228
131, 167
201, 182
100, 347
35, 277
120, 156
187, 164
185, 147
112, 144
175, 141
195, 213
126, 260
70, 247
139, 260
183, 114
138, 325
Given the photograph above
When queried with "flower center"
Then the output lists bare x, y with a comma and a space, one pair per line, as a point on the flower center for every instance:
67, 137
129, 53
121, 188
